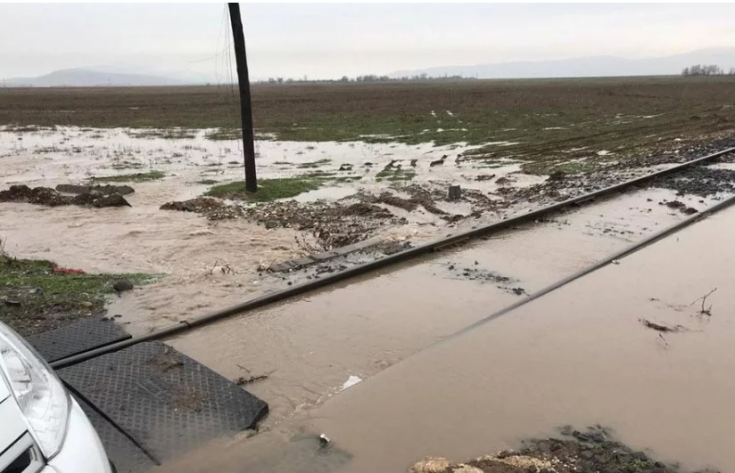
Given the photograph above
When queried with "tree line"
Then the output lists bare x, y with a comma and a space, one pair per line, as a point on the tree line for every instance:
706, 70
365, 78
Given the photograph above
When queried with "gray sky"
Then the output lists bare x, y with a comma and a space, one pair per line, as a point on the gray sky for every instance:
330, 40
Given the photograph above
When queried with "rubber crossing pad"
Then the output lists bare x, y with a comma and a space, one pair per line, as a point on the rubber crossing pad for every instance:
78, 337
122, 452
163, 399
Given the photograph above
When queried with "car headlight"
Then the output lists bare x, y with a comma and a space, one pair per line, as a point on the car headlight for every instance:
42, 398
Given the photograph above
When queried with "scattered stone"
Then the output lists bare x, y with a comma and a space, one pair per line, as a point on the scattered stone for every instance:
597, 453
345, 167
121, 286
431, 465
501, 181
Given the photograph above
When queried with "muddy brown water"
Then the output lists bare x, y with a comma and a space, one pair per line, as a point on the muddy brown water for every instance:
579, 356
311, 345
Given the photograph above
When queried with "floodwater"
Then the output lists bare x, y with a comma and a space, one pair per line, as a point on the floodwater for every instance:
310, 345
579, 355
204, 265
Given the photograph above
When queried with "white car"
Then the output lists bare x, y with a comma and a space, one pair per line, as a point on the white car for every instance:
42, 429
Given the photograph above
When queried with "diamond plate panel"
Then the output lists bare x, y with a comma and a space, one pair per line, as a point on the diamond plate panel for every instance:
166, 401
77, 337
126, 456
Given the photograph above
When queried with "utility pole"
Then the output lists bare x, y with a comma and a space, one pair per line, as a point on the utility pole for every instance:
246, 110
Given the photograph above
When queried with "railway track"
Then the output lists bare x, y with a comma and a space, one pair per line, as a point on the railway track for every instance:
437, 245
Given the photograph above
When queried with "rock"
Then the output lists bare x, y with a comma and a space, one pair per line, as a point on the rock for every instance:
113, 200
85, 199
122, 285
502, 181
690, 211
345, 167
430, 465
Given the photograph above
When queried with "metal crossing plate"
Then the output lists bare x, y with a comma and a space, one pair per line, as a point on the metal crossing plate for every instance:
163, 399
78, 337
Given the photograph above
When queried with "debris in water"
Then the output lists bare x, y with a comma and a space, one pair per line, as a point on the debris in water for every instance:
242, 381
351, 381
323, 441
212, 208
659, 327
705, 311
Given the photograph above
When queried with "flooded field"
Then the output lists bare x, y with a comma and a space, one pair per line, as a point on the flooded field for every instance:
319, 195
583, 355
217, 263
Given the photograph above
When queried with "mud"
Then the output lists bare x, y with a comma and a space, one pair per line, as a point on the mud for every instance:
212, 208
333, 224
53, 198
592, 450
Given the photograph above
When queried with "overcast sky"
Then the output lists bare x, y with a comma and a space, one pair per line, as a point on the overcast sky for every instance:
331, 40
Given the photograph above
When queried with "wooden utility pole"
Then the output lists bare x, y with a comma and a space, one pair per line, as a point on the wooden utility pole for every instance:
246, 111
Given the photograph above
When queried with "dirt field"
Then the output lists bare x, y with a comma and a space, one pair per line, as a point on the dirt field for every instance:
529, 119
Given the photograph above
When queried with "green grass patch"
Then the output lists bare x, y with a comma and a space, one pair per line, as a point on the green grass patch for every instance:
35, 299
268, 189
137, 177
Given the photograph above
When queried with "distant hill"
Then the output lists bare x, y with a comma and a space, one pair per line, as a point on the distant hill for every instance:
89, 78
600, 66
